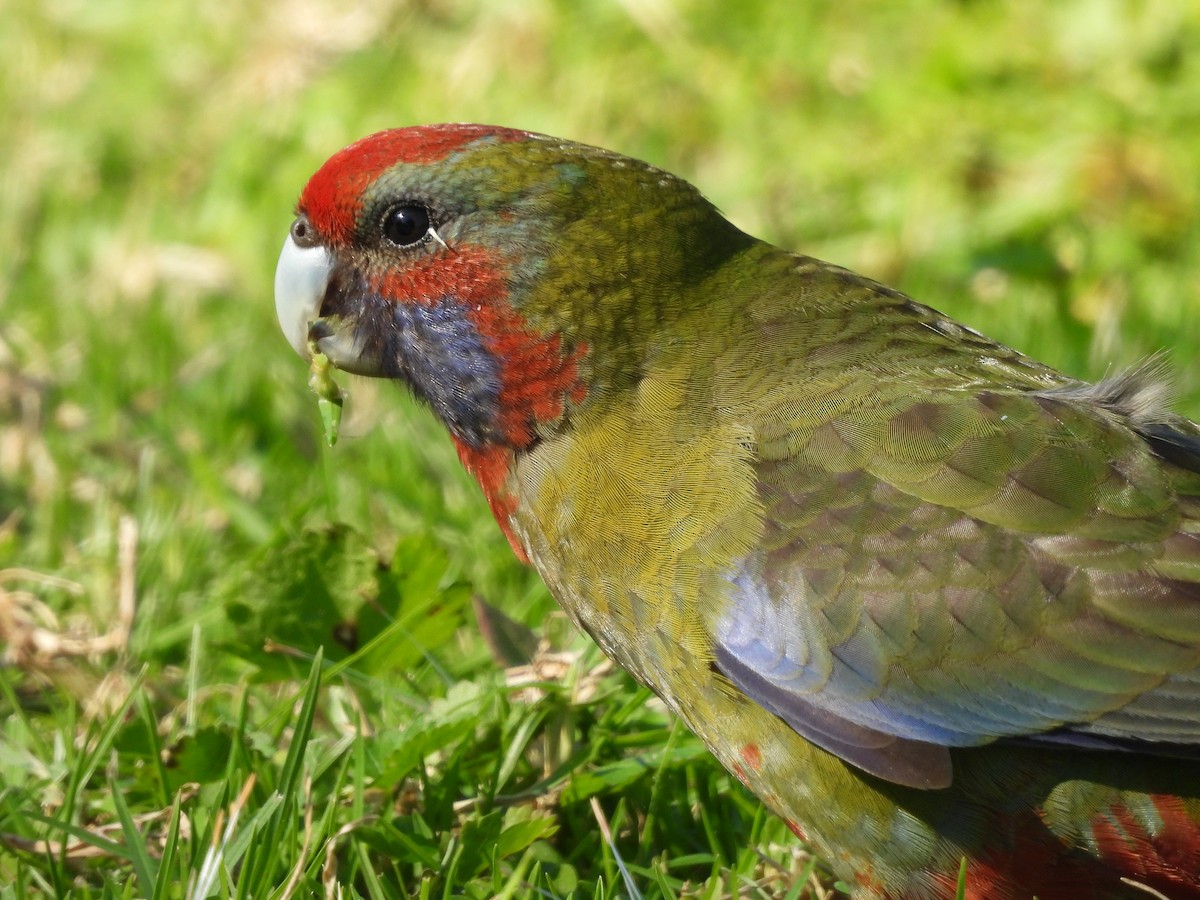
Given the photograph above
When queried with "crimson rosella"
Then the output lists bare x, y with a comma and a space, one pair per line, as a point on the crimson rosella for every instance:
928, 598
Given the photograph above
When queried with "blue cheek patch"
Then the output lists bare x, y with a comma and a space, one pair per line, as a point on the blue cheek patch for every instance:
442, 356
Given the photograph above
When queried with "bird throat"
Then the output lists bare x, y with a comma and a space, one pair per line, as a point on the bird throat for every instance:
498, 386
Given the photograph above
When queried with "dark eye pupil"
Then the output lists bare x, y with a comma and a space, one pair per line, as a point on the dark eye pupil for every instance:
406, 225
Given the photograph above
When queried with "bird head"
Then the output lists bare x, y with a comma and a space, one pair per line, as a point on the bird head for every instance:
506, 277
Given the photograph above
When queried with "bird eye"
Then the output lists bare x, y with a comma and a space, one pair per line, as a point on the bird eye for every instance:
406, 225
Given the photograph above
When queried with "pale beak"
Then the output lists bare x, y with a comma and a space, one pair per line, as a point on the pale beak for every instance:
301, 278
301, 282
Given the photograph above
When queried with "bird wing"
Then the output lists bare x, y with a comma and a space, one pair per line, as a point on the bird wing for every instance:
946, 566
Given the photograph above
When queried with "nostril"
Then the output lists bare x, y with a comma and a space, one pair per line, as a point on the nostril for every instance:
303, 233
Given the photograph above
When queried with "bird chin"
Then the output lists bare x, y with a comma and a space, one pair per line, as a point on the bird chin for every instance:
340, 343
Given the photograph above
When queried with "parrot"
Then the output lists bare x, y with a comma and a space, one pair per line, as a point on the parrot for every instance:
935, 603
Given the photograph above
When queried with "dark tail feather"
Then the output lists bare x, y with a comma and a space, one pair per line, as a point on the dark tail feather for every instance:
1173, 446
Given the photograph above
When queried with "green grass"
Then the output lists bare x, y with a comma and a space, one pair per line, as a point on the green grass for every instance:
1027, 167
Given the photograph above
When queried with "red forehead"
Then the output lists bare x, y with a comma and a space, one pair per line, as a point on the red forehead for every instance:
332, 196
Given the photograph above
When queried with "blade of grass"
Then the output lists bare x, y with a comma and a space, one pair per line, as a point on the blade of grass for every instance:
164, 880
266, 854
135, 842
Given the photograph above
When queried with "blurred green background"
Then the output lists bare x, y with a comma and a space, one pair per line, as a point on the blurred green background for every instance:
1028, 167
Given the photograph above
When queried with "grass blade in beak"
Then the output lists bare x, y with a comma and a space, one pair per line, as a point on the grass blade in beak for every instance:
329, 395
